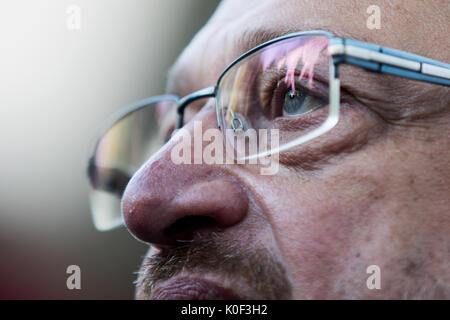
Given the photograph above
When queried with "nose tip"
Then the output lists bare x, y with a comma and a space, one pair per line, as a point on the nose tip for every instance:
165, 202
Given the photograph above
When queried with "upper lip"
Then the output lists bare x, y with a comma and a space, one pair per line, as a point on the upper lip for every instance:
192, 288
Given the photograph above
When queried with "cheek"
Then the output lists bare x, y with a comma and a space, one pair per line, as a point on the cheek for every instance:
333, 220
321, 231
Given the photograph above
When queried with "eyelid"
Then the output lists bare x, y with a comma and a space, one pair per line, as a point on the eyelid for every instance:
272, 78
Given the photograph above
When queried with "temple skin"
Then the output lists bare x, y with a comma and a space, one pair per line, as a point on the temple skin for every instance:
373, 191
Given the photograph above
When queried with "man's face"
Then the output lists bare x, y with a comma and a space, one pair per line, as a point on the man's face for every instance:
377, 195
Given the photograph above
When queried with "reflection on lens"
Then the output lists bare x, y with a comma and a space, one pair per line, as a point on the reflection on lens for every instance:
123, 148
282, 86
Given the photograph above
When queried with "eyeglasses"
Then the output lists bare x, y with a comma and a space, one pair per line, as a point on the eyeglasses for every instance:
290, 83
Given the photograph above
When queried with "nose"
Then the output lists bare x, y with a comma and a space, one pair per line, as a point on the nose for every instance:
165, 202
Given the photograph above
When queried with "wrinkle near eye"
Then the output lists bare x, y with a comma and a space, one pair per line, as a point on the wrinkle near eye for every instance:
392, 98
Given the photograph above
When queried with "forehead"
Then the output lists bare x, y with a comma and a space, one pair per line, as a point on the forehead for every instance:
237, 26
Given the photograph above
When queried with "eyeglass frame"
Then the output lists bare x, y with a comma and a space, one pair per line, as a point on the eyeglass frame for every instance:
342, 51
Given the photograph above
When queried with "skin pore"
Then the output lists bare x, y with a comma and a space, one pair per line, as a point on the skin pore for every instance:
373, 191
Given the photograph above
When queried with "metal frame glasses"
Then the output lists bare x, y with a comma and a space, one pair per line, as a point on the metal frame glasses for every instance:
339, 51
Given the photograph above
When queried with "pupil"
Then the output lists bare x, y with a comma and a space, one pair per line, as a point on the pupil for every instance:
291, 94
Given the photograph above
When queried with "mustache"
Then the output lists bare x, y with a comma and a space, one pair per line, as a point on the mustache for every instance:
256, 267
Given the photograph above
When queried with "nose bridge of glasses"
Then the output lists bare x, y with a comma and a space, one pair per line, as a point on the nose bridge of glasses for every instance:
185, 101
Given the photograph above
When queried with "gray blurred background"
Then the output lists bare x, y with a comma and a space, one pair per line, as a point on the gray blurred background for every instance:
57, 86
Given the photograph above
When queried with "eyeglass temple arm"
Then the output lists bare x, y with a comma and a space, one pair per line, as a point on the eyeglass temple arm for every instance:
184, 102
390, 61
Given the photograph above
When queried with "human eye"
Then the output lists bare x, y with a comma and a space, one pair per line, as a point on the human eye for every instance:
299, 102
280, 99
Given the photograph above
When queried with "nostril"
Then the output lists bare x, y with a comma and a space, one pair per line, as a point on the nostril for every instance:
160, 212
183, 228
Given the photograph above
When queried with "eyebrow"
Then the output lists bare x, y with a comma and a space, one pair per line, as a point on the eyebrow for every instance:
252, 38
